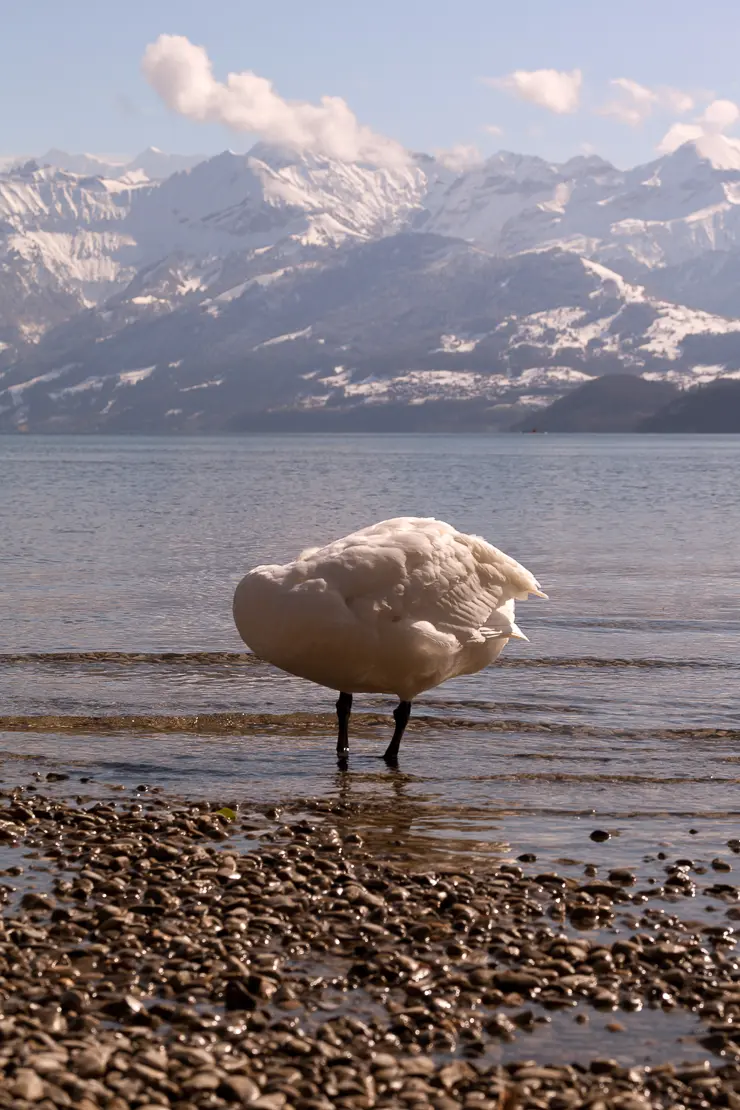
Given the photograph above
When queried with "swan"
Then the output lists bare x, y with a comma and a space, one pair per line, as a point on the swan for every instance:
396, 608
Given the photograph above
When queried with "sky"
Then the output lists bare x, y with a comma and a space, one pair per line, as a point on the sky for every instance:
466, 77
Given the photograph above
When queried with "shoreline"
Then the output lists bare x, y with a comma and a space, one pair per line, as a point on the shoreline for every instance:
156, 951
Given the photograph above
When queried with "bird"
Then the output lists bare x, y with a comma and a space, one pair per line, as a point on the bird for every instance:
395, 608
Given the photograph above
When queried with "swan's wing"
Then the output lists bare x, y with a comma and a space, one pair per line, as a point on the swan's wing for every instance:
468, 588
422, 570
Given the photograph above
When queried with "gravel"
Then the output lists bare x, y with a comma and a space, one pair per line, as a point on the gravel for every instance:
166, 962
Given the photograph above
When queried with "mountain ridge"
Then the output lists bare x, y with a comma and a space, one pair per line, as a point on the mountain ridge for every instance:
275, 281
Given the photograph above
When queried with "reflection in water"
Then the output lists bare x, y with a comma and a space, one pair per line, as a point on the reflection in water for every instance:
396, 820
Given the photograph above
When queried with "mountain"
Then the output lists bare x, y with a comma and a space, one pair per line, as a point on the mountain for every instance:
638, 221
616, 403
337, 294
403, 320
68, 242
152, 163
710, 408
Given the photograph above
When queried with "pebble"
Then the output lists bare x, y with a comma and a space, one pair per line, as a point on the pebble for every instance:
164, 967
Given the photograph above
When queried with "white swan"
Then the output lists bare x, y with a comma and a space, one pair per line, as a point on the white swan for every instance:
396, 608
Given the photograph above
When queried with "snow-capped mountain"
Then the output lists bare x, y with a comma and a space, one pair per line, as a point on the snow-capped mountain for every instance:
70, 241
283, 282
152, 163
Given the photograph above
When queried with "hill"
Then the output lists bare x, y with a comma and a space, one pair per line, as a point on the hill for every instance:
617, 403
710, 408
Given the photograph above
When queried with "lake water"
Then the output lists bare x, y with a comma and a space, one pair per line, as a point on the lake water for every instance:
623, 711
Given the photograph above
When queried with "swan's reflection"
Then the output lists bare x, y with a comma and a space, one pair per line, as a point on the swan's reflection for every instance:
397, 821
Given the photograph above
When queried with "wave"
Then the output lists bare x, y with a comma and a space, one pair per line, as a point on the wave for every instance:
307, 723
246, 659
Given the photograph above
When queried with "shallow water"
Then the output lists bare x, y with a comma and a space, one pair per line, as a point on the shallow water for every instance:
134, 545
622, 714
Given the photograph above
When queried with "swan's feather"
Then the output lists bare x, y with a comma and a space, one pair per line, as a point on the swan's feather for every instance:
396, 607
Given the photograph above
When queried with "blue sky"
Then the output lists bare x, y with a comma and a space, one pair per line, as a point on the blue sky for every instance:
412, 70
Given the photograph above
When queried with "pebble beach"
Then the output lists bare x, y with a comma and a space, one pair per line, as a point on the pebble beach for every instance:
157, 951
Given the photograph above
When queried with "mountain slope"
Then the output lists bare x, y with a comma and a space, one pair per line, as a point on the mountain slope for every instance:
617, 403
711, 408
405, 320
153, 163
68, 241
286, 283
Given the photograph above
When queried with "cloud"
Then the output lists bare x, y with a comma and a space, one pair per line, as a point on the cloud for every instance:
181, 73
635, 102
676, 100
459, 157
553, 89
492, 129
719, 116
633, 105
716, 118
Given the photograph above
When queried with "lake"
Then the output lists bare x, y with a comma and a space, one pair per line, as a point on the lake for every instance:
623, 711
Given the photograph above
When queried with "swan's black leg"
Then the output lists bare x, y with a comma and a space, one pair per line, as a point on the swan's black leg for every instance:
344, 708
401, 716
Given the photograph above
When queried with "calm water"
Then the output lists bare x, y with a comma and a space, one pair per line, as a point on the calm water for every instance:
135, 545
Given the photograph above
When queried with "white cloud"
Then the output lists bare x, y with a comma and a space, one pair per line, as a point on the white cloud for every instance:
460, 157
493, 129
635, 102
716, 118
180, 72
676, 100
553, 89
719, 116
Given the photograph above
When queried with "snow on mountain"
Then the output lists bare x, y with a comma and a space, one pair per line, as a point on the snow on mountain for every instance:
406, 320
254, 201
63, 245
87, 165
157, 164
285, 282
480, 205
657, 215
153, 163
82, 238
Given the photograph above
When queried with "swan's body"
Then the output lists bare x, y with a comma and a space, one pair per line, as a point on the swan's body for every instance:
396, 608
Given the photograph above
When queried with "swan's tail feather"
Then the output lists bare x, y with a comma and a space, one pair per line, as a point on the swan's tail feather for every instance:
488, 634
513, 632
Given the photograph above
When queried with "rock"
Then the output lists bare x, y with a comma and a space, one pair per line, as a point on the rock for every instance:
92, 1062
456, 1072
123, 1008
238, 997
33, 901
274, 1101
239, 1088
202, 1081
28, 1085
517, 982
